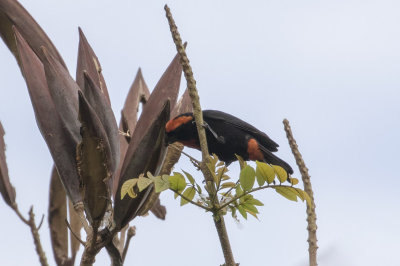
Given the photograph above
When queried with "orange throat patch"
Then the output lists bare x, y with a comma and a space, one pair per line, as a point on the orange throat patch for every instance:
177, 122
254, 151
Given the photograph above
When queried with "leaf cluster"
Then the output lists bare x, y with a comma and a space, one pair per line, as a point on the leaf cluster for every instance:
235, 197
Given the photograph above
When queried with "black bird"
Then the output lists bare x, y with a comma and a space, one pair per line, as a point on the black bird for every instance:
226, 136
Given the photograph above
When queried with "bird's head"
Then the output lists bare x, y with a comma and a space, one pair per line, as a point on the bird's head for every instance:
181, 128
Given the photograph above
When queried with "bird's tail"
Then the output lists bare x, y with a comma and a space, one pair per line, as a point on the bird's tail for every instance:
271, 158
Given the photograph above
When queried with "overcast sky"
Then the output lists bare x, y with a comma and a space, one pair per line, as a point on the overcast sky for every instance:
331, 67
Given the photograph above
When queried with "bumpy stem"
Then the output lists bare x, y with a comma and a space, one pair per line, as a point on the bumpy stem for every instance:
35, 233
198, 117
311, 215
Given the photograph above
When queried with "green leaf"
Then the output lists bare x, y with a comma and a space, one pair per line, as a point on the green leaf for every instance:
161, 183
304, 196
247, 178
256, 202
143, 182
189, 177
198, 189
127, 186
239, 191
249, 207
242, 162
177, 182
287, 193
280, 173
211, 167
188, 193
228, 184
242, 211
265, 172
294, 181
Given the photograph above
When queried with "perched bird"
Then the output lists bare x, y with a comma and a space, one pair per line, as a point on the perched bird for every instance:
226, 136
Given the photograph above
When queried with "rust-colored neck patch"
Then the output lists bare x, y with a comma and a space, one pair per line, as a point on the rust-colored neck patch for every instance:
254, 151
176, 122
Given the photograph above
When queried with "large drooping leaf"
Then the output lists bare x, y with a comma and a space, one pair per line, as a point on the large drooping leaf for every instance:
102, 109
167, 87
138, 93
147, 156
88, 61
94, 163
6, 189
58, 228
13, 13
61, 142
63, 91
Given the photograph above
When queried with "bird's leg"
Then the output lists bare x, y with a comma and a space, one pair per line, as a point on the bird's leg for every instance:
220, 139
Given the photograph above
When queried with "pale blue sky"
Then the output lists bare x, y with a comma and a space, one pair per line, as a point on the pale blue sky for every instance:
331, 67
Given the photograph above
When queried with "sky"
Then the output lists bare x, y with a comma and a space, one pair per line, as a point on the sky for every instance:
332, 68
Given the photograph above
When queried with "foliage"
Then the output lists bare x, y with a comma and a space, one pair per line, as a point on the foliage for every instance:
233, 197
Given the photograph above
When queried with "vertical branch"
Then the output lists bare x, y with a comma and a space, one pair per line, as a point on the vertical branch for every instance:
198, 116
191, 84
35, 233
311, 215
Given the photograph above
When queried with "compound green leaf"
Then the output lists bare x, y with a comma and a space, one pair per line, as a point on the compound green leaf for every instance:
189, 177
161, 183
256, 202
242, 162
280, 173
127, 186
247, 178
188, 193
242, 211
287, 193
265, 172
177, 182
143, 183
228, 184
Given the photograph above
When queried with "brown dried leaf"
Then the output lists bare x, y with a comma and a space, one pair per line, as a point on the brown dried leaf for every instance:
138, 93
88, 61
63, 91
159, 210
76, 227
148, 154
93, 159
13, 13
57, 216
6, 189
166, 88
59, 141
102, 109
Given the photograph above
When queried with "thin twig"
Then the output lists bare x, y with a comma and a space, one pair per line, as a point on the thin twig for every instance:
187, 155
131, 233
191, 201
311, 215
79, 210
41, 222
73, 233
35, 233
249, 192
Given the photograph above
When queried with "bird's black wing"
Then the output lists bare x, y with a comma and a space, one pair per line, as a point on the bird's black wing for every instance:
260, 136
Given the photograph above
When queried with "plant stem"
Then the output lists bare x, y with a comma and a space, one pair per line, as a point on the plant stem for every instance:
311, 215
191, 201
248, 192
35, 233
198, 117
